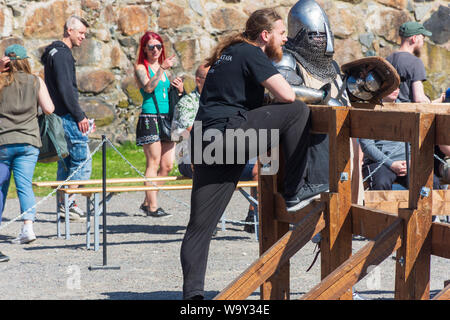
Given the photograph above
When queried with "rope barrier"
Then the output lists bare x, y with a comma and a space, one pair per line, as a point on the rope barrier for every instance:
155, 185
55, 190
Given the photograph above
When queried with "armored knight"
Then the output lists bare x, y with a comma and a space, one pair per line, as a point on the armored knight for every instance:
308, 65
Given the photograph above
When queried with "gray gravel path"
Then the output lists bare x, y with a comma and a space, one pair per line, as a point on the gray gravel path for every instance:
147, 251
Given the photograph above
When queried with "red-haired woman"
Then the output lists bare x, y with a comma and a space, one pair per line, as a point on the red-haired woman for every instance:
152, 74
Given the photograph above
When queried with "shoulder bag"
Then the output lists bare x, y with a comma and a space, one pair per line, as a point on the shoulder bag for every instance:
54, 145
164, 124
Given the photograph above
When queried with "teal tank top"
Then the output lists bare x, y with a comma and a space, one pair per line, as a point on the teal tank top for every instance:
162, 97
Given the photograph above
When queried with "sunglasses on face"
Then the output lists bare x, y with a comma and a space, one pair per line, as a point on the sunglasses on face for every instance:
153, 46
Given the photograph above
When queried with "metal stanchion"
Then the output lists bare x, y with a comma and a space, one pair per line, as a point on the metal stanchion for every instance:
105, 265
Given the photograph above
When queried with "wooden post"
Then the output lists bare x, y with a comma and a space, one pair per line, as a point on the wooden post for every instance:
336, 244
277, 286
413, 258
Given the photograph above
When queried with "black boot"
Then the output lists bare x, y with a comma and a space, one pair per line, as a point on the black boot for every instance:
250, 228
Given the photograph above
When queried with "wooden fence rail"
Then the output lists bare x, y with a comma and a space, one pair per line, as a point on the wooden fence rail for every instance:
406, 227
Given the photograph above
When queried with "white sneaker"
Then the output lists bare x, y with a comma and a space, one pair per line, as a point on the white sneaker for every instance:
25, 236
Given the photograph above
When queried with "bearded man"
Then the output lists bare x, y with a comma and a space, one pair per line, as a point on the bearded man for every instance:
408, 64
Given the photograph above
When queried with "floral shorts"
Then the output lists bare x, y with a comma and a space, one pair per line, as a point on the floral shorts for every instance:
147, 131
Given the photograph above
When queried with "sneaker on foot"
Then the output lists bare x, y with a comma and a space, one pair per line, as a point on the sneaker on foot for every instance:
73, 215
74, 208
250, 222
3, 258
307, 193
158, 213
25, 236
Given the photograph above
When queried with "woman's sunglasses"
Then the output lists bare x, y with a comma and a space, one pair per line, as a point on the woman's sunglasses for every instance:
153, 46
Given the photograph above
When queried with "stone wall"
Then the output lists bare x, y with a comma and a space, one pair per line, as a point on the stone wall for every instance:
190, 29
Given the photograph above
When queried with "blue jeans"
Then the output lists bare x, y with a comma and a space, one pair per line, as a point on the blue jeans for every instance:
21, 159
78, 147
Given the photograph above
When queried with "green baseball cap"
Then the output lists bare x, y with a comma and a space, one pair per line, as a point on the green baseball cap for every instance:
412, 28
19, 51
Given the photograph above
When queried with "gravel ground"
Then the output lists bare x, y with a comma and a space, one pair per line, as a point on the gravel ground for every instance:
147, 252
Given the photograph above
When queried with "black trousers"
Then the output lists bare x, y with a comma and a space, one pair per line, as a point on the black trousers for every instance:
213, 185
384, 177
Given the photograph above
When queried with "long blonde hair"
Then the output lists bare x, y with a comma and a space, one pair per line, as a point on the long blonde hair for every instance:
7, 77
260, 20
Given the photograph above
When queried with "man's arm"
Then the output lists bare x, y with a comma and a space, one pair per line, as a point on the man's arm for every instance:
371, 151
418, 92
62, 65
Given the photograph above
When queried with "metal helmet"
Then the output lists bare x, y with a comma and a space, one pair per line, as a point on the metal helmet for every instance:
308, 15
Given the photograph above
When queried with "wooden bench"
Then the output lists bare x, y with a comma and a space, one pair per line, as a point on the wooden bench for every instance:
93, 203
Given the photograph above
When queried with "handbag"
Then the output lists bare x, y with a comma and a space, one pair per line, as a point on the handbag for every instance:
164, 124
54, 145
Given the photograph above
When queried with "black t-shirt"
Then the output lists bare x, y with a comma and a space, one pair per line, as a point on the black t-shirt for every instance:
233, 85
410, 69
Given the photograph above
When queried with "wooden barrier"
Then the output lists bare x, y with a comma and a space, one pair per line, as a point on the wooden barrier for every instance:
404, 225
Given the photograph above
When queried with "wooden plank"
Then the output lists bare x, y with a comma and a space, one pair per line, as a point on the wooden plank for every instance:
392, 200
436, 108
276, 256
108, 181
413, 276
319, 118
336, 244
444, 294
291, 217
368, 222
114, 189
440, 240
382, 125
443, 129
358, 265
272, 288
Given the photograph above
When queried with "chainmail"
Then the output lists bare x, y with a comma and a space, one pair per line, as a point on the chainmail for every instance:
311, 55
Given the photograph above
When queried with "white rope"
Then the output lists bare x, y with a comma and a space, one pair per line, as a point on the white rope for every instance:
54, 191
146, 178
164, 191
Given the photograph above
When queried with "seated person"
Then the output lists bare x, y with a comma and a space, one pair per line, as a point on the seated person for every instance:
183, 119
385, 161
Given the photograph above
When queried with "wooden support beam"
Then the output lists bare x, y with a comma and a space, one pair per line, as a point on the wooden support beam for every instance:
392, 200
440, 240
413, 275
358, 265
292, 217
444, 294
368, 222
382, 125
442, 129
336, 244
276, 256
271, 230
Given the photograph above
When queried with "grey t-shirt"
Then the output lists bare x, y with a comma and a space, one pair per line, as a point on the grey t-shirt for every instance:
410, 69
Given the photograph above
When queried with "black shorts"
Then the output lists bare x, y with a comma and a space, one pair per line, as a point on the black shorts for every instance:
147, 131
